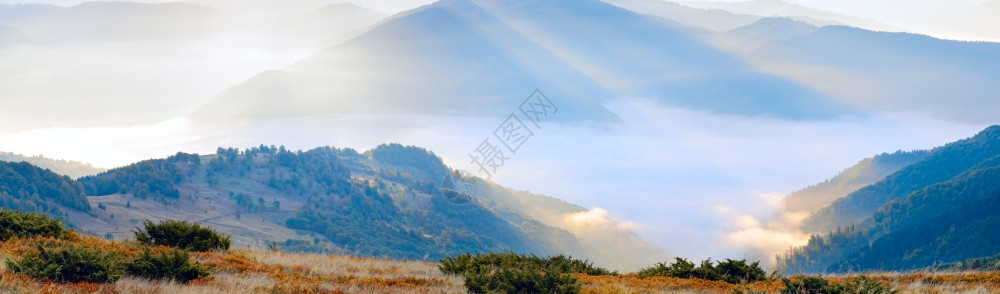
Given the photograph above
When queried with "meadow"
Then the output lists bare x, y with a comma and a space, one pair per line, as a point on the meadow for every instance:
40, 255
262, 271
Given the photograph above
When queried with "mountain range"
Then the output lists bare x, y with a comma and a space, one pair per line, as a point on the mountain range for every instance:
938, 208
889, 72
468, 58
788, 9
462, 58
864, 173
423, 62
590, 52
392, 201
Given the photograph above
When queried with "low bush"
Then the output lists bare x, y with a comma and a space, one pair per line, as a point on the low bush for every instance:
819, 285
175, 265
739, 272
182, 235
78, 263
69, 263
806, 285
562, 263
516, 273
524, 279
730, 271
21, 224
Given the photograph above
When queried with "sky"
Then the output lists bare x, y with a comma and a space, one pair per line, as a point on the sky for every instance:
696, 184
266, 6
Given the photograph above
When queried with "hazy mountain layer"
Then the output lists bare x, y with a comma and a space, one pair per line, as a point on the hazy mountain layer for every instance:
73, 169
460, 57
865, 172
712, 19
447, 58
891, 72
778, 8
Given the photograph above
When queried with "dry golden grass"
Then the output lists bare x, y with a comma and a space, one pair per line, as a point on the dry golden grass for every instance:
253, 271
244, 271
968, 282
630, 283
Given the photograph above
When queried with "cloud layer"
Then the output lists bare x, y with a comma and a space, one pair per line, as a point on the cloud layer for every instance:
696, 184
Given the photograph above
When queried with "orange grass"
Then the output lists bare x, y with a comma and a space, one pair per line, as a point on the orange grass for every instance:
968, 282
630, 283
250, 271
242, 271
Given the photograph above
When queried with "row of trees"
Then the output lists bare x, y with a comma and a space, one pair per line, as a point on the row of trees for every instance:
27, 187
157, 178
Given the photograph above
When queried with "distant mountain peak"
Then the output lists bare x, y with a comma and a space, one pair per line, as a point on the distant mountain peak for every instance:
74, 169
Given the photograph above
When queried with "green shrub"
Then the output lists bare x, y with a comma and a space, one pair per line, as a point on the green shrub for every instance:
819, 285
739, 272
175, 265
182, 235
568, 264
863, 284
516, 273
748, 291
807, 285
463, 262
681, 268
525, 279
70, 263
730, 271
21, 224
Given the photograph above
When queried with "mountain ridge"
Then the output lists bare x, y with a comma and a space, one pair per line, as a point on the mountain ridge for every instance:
951, 160
865, 172
391, 201
509, 44
890, 72
937, 210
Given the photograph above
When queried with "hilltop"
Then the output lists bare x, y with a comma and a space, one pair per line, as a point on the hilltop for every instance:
393, 201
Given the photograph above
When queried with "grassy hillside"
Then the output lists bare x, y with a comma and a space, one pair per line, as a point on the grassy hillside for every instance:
248, 271
259, 271
39, 255
392, 201
385, 203
937, 211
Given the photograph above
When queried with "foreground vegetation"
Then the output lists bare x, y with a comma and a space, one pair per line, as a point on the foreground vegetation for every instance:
41, 256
